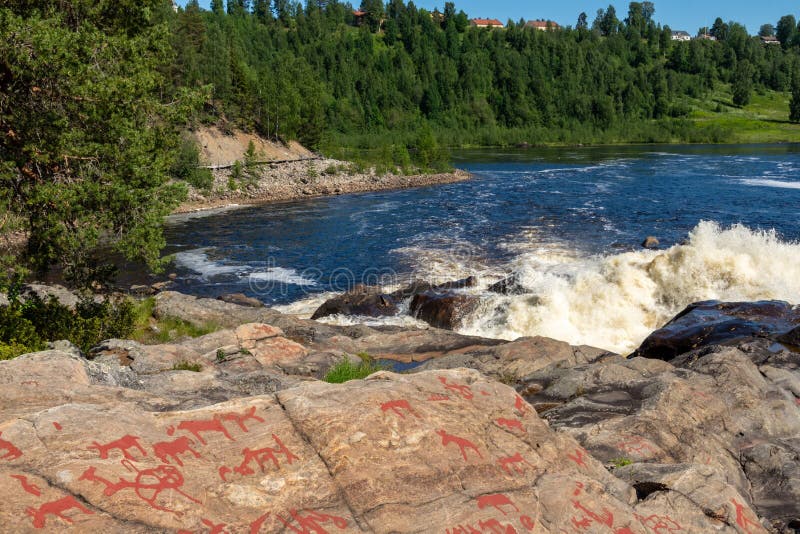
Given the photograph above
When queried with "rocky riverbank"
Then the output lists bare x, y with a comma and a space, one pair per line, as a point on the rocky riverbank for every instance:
481, 435
306, 178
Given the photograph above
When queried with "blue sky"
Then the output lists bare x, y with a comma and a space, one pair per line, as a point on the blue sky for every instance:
686, 15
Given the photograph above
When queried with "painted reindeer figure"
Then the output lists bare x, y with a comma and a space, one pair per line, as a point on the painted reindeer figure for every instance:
173, 449
241, 419
123, 444
56, 508
462, 443
11, 452
203, 425
262, 456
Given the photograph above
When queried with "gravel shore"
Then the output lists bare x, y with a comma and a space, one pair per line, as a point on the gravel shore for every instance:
303, 179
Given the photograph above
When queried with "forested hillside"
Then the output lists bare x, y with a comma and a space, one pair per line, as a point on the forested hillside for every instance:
313, 73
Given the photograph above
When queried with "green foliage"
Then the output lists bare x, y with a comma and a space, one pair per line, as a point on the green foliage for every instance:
187, 166
344, 371
90, 130
221, 356
794, 103
149, 330
187, 366
621, 462
743, 83
26, 326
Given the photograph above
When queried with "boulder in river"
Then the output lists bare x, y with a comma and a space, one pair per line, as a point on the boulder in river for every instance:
714, 323
443, 310
650, 242
362, 300
508, 286
241, 299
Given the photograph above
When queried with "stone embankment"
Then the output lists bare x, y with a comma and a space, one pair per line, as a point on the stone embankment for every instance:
483, 436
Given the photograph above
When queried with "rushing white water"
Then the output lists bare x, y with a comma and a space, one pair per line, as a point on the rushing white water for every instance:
614, 302
762, 182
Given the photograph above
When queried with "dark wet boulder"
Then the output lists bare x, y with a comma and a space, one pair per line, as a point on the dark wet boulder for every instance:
443, 310
508, 286
241, 299
792, 337
719, 323
361, 300
421, 286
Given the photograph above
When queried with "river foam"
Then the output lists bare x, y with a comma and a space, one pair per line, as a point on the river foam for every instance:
615, 301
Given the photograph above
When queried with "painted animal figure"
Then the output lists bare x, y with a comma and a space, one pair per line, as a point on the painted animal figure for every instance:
462, 443
240, 419
56, 508
205, 425
173, 449
11, 452
123, 444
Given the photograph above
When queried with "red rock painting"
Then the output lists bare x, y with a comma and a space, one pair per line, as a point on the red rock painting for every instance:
123, 444
590, 517
514, 464
438, 397
463, 390
262, 456
521, 406
399, 407
749, 526
487, 526
202, 425
240, 419
223, 472
462, 443
659, 524
56, 508
148, 484
499, 502
8, 451
214, 528
57, 426
511, 424
637, 445
578, 457
27, 486
173, 449
527, 522
307, 522
256, 525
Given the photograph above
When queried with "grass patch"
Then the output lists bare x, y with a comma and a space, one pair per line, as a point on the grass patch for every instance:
621, 462
345, 370
187, 366
151, 331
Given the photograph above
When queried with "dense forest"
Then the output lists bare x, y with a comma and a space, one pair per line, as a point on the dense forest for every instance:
320, 74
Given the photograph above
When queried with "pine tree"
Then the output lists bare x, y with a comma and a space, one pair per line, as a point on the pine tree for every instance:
742, 83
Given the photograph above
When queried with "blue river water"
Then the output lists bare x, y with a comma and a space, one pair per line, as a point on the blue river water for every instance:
558, 218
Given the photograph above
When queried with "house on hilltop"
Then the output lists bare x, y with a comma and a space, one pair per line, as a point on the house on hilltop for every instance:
542, 25
359, 17
487, 23
681, 36
770, 40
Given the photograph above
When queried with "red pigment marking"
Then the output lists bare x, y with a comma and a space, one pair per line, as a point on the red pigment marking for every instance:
11, 452
578, 488
311, 522
153, 481
203, 425
29, 488
700, 394
521, 406
511, 424
743, 521
607, 518
215, 529
223, 471
485, 393
261, 456
123, 444
463, 390
517, 462
797, 401
397, 406
256, 525
438, 397
527, 522
462, 443
56, 508
578, 457
497, 502
636, 445
241, 419
57, 426
173, 449
659, 524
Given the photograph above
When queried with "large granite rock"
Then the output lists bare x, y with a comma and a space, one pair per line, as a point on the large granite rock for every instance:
720, 425
364, 301
441, 451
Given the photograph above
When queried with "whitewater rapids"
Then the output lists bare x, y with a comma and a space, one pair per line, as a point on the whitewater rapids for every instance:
614, 302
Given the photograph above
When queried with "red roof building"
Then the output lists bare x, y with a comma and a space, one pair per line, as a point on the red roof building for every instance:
487, 23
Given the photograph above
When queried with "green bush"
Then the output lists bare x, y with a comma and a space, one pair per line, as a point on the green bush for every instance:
187, 166
26, 326
187, 366
344, 371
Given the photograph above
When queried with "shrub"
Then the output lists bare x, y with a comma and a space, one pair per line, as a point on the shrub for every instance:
187, 366
345, 370
621, 462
